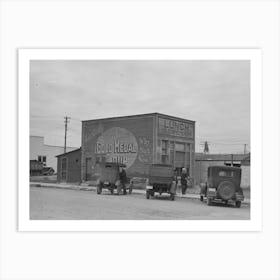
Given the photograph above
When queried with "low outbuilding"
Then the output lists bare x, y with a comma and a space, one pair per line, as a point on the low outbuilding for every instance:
69, 167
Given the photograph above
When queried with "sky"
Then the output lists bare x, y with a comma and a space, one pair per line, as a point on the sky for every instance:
215, 94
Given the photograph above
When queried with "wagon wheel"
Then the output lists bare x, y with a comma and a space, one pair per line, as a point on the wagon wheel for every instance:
148, 195
99, 189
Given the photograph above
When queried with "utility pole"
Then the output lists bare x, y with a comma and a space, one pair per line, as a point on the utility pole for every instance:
66, 120
245, 150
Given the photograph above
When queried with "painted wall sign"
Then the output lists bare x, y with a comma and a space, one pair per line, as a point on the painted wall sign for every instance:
117, 145
175, 128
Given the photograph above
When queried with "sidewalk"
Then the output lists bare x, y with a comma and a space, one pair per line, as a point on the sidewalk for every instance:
93, 188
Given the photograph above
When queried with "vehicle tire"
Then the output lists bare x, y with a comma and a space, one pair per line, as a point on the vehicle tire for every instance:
172, 197
237, 204
209, 201
201, 198
99, 189
226, 190
147, 195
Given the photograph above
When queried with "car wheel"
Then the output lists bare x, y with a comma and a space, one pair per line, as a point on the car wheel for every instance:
201, 198
238, 204
226, 190
147, 195
209, 201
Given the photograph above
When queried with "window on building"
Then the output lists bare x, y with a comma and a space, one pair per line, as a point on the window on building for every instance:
164, 159
180, 147
42, 159
164, 152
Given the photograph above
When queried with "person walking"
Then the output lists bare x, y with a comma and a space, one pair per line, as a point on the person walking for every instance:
123, 179
184, 180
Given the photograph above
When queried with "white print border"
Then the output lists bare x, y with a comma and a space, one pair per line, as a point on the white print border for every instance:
255, 57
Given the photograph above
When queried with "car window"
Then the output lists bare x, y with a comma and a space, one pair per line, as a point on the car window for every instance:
226, 173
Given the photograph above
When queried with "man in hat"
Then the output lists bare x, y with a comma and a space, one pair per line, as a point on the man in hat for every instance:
184, 180
123, 179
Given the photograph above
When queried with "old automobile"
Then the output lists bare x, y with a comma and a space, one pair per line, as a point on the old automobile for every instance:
161, 180
107, 174
223, 185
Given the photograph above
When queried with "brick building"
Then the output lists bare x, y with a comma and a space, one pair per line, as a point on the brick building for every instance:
138, 141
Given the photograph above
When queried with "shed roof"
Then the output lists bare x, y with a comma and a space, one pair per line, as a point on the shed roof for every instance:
64, 154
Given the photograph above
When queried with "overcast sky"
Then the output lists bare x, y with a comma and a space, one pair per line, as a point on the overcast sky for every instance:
215, 94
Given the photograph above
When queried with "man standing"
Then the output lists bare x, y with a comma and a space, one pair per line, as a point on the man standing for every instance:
123, 179
184, 180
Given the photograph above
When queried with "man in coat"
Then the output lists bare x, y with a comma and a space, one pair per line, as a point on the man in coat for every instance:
184, 177
123, 179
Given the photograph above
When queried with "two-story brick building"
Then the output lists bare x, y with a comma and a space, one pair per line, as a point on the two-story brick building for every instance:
138, 141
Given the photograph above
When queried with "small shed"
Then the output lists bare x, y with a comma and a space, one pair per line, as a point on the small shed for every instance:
69, 167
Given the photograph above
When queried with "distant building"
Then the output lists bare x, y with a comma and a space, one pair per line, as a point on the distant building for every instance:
203, 161
69, 167
46, 154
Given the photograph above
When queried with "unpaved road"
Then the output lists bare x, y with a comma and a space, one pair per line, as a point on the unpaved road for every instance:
63, 204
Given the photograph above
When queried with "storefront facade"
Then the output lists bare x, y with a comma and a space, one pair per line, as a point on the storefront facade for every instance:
138, 141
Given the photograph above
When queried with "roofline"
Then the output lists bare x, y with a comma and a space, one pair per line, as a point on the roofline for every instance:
36, 136
69, 152
139, 115
60, 146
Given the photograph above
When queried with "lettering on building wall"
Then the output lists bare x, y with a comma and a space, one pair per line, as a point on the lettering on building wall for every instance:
117, 145
175, 128
145, 150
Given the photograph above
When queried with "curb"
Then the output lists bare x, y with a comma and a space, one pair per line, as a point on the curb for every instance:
93, 188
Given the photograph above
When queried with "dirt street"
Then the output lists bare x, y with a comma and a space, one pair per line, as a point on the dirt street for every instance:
63, 204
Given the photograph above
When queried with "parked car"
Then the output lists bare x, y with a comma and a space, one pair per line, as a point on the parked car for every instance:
47, 171
108, 177
223, 185
161, 180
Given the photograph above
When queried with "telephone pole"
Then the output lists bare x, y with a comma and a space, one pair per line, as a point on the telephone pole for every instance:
66, 120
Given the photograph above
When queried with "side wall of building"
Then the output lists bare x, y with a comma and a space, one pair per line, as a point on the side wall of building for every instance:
73, 167
127, 140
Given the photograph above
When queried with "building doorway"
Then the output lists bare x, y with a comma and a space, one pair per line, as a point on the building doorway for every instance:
64, 169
